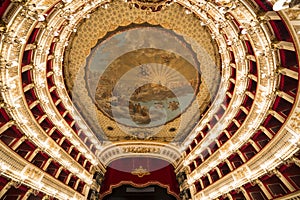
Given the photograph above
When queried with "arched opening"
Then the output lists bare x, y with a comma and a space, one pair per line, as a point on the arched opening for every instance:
127, 192
130, 178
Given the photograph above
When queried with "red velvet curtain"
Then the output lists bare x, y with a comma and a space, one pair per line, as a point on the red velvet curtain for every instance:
119, 172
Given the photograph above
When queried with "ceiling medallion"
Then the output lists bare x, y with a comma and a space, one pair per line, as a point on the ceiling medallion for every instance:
140, 172
150, 5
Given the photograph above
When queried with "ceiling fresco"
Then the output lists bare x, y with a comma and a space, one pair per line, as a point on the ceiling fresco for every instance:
146, 86
145, 78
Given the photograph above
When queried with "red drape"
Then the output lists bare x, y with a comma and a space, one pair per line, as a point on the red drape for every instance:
119, 173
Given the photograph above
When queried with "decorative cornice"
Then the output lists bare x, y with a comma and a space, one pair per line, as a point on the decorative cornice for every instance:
119, 150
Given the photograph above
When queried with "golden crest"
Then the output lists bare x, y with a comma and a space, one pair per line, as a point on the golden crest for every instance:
140, 172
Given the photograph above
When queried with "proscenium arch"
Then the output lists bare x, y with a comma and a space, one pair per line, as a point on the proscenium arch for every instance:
114, 151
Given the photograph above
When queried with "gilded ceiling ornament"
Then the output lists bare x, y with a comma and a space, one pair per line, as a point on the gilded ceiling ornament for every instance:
140, 172
295, 122
150, 5
135, 149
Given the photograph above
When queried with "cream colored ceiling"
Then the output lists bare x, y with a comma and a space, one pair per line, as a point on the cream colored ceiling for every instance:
103, 22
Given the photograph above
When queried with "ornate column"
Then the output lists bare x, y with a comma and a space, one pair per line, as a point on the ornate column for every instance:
209, 178
245, 193
241, 156
264, 189
219, 172
95, 187
229, 164
284, 180
185, 192
6, 188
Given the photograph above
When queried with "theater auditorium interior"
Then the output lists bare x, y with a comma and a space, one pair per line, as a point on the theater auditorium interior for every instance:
149, 99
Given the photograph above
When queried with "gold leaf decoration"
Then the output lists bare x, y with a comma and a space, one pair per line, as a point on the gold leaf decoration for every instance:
140, 172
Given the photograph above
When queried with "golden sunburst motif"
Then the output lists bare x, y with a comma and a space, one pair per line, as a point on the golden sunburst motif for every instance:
143, 85
147, 90
140, 172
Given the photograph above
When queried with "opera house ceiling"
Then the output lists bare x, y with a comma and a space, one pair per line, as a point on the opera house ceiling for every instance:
199, 98
142, 76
